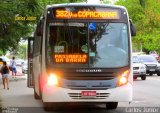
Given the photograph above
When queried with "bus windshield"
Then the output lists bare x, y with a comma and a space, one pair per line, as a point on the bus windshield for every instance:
97, 45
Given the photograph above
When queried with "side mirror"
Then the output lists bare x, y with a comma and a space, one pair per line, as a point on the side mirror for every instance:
132, 28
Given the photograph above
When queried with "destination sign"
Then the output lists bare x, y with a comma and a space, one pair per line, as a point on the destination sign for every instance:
89, 14
70, 58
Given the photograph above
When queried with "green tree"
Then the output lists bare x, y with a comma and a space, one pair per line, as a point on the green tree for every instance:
22, 51
142, 2
146, 16
11, 31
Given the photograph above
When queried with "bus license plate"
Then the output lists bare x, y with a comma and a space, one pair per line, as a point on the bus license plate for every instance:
88, 93
152, 69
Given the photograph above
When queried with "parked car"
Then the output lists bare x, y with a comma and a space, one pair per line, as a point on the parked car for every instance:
19, 62
139, 69
25, 67
152, 65
158, 59
154, 54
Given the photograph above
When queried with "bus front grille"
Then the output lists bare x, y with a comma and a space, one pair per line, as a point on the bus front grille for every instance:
98, 96
89, 84
89, 76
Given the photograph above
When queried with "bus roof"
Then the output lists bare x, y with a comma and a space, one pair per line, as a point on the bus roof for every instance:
85, 4
119, 13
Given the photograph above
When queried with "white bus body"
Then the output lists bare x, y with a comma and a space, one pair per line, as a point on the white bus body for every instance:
85, 72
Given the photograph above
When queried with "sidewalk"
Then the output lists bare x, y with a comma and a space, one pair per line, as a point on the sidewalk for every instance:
19, 78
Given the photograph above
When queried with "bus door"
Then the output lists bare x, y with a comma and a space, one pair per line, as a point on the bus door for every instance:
30, 80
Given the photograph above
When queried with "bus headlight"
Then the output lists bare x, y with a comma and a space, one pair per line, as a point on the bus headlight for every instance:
123, 79
52, 80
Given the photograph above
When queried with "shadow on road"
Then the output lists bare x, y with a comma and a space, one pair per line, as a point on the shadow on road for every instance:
68, 109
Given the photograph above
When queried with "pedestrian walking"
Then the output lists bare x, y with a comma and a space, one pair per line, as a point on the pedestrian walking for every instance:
13, 67
5, 73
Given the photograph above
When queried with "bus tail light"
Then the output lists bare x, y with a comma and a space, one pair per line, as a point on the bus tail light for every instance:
52, 80
123, 79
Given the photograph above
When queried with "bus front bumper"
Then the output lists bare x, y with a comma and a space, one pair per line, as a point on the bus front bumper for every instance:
58, 94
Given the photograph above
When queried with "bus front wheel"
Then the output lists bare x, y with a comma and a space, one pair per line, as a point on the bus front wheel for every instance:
49, 106
111, 105
36, 96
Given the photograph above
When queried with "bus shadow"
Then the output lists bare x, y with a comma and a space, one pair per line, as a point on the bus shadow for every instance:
84, 109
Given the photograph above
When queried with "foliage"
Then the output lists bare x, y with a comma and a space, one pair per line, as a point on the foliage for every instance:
22, 51
144, 13
146, 16
12, 30
107, 1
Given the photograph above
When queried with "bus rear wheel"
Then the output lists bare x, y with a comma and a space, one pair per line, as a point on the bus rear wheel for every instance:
111, 105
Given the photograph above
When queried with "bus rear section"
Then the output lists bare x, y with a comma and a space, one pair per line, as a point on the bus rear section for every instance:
86, 52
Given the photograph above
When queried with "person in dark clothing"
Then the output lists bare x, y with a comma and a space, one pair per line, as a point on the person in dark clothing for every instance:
5, 74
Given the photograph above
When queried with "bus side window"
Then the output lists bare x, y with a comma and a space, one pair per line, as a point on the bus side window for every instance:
38, 39
39, 29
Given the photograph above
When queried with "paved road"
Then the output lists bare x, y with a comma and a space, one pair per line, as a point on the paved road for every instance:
146, 94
